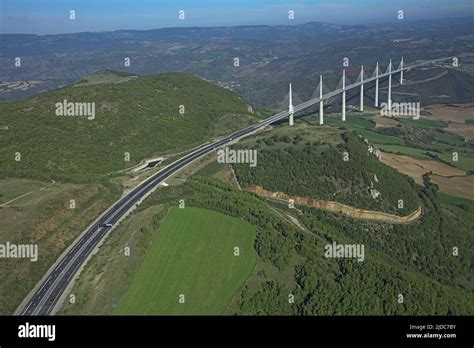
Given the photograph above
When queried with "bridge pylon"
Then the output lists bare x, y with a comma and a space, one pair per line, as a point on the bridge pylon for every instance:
389, 100
362, 88
343, 95
401, 72
291, 109
376, 85
321, 103
318, 94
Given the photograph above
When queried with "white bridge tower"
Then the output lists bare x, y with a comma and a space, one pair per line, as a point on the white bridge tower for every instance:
321, 103
401, 72
291, 109
362, 88
377, 85
389, 101
344, 95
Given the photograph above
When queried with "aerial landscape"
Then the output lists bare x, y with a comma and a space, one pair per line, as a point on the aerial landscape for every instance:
300, 163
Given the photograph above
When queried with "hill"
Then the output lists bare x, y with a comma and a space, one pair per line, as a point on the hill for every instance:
139, 117
430, 86
319, 171
106, 76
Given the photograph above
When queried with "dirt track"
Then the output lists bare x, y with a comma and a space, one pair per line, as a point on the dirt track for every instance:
341, 208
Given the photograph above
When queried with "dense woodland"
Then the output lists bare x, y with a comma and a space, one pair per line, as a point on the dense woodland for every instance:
140, 117
321, 173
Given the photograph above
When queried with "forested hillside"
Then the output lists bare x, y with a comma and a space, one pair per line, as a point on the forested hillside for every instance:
321, 172
143, 117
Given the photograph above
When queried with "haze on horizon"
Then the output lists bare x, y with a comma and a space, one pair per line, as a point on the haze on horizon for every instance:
52, 16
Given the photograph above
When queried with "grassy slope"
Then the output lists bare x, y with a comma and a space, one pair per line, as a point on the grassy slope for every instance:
423, 123
43, 218
140, 116
13, 188
106, 76
109, 273
192, 255
458, 201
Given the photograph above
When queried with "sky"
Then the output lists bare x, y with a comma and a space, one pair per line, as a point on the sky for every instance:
52, 16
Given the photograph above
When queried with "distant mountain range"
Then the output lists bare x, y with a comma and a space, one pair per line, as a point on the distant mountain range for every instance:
269, 57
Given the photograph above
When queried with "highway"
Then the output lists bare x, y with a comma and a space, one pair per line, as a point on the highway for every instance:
45, 297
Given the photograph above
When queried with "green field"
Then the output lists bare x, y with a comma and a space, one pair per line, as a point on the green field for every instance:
423, 123
352, 122
193, 254
364, 125
465, 160
405, 150
448, 199
378, 138
449, 138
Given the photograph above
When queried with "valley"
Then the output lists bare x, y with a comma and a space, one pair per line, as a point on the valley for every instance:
246, 235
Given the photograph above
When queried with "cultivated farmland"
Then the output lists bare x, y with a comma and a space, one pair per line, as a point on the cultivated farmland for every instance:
192, 255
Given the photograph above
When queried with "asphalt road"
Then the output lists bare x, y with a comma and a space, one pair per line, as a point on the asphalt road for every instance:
44, 299
47, 295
